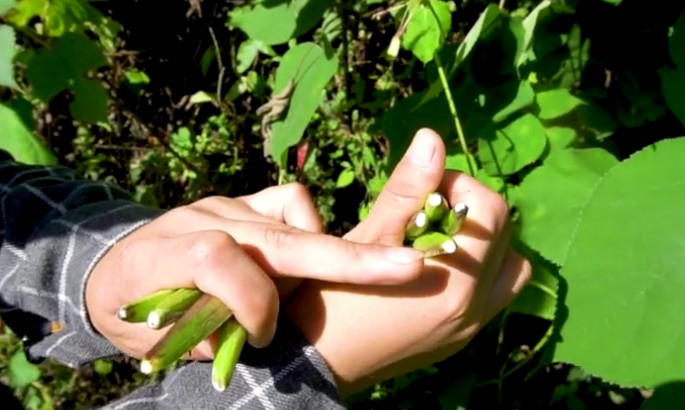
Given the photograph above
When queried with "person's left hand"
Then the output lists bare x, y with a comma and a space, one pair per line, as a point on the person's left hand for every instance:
235, 250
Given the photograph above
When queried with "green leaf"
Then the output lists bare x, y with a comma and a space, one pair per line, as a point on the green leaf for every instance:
7, 52
560, 138
427, 29
524, 97
345, 178
90, 101
311, 68
676, 43
513, 147
247, 52
665, 396
539, 297
624, 272
136, 77
6, 5
673, 80
277, 21
21, 372
614, 2
65, 67
551, 198
18, 137
555, 103
103, 367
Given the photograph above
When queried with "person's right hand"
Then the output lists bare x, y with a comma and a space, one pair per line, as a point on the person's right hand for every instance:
233, 249
368, 333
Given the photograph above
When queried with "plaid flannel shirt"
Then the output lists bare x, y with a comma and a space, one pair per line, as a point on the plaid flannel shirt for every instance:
54, 228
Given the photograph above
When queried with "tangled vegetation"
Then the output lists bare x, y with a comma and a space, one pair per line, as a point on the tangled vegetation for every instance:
572, 109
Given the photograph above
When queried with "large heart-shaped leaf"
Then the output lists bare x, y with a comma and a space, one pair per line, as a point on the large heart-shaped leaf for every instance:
625, 272
18, 138
311, 68
551, 198
427, 29
511, 148
7, 52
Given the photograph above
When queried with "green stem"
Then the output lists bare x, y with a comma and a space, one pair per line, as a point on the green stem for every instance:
453, 111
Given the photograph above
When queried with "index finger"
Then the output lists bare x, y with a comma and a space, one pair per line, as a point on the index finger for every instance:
287, 251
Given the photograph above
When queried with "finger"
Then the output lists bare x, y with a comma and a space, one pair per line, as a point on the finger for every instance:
290, 204
483, 238
214, 263
515, 273
415, 177
290, 252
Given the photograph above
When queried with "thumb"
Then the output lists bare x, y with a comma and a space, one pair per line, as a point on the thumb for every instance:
418, 174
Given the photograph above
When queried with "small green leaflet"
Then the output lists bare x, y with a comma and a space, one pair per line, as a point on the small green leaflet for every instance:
18, 139
509, 149
557, 102
427, 29
7, 52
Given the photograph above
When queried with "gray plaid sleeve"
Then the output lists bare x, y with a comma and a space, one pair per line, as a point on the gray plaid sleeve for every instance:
53, 230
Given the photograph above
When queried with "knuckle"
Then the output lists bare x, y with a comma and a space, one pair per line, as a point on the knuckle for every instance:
209, 248
298, 191
280, 237
500, 210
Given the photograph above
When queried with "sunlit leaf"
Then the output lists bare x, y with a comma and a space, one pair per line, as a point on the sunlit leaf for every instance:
509, 149
427, 29
551, 198
311, 68
18, 138
345, 178
22, 373
624, 272
277, 21
557, 102
7, 53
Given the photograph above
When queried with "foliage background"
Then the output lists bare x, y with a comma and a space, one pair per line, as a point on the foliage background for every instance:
569, 108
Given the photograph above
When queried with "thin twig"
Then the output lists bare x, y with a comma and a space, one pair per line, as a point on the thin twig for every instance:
222, 69
453, 111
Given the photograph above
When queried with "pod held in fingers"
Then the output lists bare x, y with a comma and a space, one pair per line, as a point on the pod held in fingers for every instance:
139, 310
434, 244
417, 225
203, 318
229, 346
452, 222
172, 307
436, 207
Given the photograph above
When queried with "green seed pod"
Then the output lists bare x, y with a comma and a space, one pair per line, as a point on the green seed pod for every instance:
139, 310
435, 244
453, 221
172, 307
195, 325
436, 207
230, 343
417, 225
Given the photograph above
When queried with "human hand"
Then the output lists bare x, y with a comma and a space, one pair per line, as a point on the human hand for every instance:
368, 333
231, 249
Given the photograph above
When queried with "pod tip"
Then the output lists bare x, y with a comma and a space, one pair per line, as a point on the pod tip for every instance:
449, 246
122, 313
461, 209
146, 366
435, 199
153, 320
218, 386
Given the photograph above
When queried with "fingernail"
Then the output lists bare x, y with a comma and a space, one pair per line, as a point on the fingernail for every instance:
422, 149
403, 256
